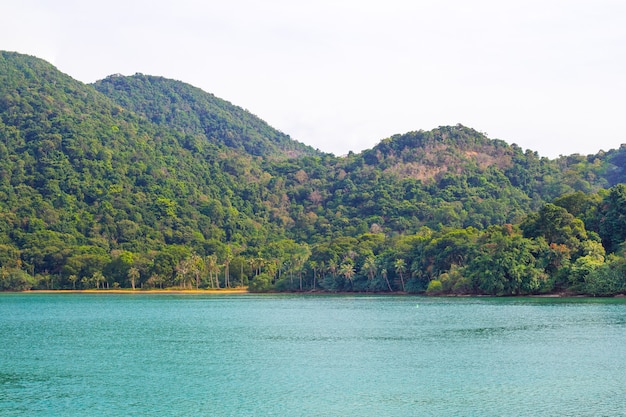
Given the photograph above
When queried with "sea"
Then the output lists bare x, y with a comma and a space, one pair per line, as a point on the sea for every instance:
147, 354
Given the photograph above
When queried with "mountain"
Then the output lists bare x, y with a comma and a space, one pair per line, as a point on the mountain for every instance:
145, 181
201, 115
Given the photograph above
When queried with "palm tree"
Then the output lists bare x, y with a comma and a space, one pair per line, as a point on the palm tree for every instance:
241, 271
97, 277
133, 275
252, 262
383, 272
347, 270
299, 259
332, 267
227, 259
259, 262
400, 265
288, 266
313, 265
197, 266
272, 268
73, 279
369, 267
213, 268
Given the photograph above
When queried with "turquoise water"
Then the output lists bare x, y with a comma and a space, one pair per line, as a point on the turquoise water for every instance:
248, 355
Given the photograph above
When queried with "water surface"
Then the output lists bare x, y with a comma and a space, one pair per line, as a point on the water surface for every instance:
283, 355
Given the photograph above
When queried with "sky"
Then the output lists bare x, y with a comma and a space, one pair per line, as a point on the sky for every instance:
341, 75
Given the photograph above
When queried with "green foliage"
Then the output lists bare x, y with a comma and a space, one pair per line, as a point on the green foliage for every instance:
261, 283
506, 264
612, 227
13, 279
434, 287
556, 225
147, 182
199, 116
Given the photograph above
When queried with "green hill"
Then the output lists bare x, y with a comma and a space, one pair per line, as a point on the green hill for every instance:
147, 182
82, 175
199, 115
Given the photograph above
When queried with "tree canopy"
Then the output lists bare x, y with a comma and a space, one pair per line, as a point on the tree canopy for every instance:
145, 182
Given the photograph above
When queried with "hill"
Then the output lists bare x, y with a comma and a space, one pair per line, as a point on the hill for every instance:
452, 176
200, 115
144, 181
82, 175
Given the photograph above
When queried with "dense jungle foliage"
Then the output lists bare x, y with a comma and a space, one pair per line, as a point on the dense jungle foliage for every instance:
145, 182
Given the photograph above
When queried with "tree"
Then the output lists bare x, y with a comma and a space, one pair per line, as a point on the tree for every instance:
183, 271
261, 283
13, 279
227, 258
583, 206
197, 267
435, 287
606, 279
314, 267
73, 279
332, 267
452, 247
155, 280
97, 278
383, 272
347, 270
167, 261
85, 265
133, 276
556, 225
400, 266
505, 265
369, 267
213, 269
612, 228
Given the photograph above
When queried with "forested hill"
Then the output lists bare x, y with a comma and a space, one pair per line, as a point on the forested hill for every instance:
199, 115
83, 178
146, 182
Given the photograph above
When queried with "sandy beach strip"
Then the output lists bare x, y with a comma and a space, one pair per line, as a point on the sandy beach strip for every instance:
142, 291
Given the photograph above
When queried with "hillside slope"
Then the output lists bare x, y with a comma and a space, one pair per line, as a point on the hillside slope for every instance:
194, 112
78, 170
452, 176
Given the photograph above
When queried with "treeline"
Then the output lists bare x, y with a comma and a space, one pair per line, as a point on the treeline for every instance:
574, 245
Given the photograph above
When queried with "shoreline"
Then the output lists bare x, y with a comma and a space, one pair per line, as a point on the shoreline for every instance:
141, 291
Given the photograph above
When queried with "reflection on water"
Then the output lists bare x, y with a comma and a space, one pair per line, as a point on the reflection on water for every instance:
140, 354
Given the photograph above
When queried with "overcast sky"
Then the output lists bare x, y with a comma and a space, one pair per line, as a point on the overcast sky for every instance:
340, 75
